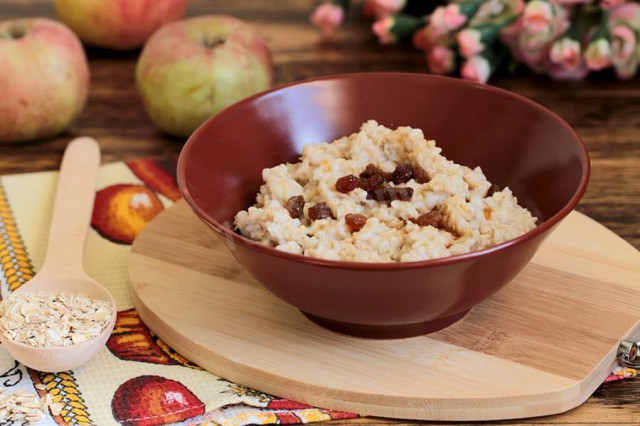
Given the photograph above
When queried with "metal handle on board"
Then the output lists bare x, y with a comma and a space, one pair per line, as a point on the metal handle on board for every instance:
628, 354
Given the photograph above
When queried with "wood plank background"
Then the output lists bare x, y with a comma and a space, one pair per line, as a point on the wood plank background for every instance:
605, 113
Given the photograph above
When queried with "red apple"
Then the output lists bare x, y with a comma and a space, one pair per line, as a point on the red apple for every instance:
154, 400
121, 211
191, 69
44, 79
118, 24
158, 175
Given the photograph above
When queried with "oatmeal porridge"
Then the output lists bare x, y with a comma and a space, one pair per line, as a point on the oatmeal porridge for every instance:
381, 195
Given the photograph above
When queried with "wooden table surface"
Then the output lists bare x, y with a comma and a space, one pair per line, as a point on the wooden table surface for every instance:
604, 112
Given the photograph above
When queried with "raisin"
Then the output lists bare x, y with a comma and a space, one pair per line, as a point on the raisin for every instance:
432, 218
295, 206
371, 182
347, 184
369, 171
403, 173
355, 222
493, 189
388, 194
387, 177
320, 211
420, 175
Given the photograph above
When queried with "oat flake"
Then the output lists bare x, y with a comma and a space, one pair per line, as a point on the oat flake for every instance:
24, 407
48, 319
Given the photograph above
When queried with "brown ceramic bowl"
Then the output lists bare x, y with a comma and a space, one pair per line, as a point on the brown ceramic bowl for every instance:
516, 142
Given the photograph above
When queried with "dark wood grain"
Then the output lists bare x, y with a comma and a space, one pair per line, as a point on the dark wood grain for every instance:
605, 113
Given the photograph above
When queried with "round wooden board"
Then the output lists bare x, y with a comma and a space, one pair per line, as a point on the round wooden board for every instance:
540, 346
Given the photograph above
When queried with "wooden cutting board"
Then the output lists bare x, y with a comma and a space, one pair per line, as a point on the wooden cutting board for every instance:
540, 346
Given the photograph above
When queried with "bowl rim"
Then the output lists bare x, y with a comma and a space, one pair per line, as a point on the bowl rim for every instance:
240, 240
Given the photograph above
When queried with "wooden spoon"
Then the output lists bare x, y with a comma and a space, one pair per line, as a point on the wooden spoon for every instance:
62, 271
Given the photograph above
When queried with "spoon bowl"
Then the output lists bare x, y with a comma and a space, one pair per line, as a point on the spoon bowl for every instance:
62, 358
63, 271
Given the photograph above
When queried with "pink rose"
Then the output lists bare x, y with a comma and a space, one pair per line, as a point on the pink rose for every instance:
597, 56
476, 69
626, 13
537, 16
624, 45
565, 60
453, 18
328, 17
439, 28
425, 38
510, 34
610, 4
441, 60
382, 8
512, 37
382, 28
489, 8
445, 19
517, 6
624, 27
469, 42
566, 52
495, 10
532, 37
541, 23
437, 21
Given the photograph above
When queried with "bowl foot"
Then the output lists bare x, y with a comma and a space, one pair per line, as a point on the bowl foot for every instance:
386, 331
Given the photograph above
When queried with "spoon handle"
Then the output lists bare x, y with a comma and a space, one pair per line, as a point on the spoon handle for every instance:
72, 209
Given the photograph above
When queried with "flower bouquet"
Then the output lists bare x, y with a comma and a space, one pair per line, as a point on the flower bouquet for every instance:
565, 39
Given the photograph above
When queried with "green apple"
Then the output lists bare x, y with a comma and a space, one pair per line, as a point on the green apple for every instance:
191, 69
118, 24
44, 79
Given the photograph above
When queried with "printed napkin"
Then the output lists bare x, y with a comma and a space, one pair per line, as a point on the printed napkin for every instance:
137, 379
